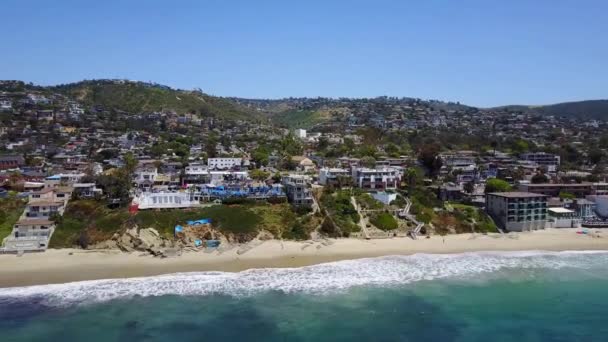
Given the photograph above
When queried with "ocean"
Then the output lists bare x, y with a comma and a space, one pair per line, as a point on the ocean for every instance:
503, 296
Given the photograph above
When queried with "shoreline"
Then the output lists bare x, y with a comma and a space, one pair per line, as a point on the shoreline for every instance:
69, 265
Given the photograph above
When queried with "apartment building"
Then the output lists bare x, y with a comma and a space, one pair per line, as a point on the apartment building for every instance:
336, 177
550, 189
541, 158
196, 174
376, 179
298, 189
224, 163
517, 211
11, 162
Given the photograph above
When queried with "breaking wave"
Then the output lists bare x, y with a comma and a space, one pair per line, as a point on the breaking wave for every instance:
322, 278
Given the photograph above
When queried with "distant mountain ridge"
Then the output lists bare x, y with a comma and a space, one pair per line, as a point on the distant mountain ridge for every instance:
588, 109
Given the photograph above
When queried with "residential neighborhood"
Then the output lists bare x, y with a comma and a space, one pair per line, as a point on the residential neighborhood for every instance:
461, 169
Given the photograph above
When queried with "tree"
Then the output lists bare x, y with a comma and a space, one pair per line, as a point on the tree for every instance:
259, 175
497, 185
596, 155
520, 146
429, 157
392, 150
130, 164
469, 187
261, 156
539, 178
413, 176
322, 144
368, 162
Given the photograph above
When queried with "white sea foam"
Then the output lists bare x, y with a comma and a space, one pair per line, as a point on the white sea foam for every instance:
329, 277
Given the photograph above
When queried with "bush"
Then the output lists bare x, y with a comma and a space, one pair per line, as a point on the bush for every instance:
301, 210
237, 200
497, 185
277, 200
384, 221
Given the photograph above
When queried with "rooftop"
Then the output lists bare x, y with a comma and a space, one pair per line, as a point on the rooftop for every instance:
516, 194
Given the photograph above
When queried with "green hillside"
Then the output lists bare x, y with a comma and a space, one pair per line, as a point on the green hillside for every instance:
591, 109
139, 97
299, 118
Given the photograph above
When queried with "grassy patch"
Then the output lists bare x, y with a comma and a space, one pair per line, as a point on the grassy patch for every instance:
464, 219
299, 118
11, 209
235, 220
83, 215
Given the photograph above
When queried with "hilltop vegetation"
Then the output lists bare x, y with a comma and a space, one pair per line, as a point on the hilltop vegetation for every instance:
139, 97
591, 109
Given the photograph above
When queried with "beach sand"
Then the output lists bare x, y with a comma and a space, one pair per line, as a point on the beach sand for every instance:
67, 265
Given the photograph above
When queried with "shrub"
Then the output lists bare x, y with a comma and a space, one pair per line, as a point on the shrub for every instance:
384, 221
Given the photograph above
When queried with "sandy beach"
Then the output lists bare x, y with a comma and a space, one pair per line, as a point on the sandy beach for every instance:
67, 265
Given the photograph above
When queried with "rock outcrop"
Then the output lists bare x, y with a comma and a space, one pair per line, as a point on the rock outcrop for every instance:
142, 240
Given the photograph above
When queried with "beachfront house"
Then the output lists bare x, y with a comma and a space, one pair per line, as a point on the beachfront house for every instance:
298, 189
165, 200
387, 178
29, 235
562, 218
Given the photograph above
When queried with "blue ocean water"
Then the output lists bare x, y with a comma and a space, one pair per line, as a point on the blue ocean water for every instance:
531, 296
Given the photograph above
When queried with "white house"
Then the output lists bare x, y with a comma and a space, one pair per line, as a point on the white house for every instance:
301, 133
165, 200
223, 163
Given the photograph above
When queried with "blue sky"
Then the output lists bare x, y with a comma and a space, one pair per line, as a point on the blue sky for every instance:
478, 52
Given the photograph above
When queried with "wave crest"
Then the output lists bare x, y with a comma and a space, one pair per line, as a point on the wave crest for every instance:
335, 276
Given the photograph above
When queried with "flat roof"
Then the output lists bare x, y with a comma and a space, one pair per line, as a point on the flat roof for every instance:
540, 185
516, 194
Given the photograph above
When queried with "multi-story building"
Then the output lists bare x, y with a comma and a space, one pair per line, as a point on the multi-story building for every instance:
376, 179
224, 163
517, 211
298, 189
541, 158
336, 177
29, 235
579, 190
11, 162
196, 174
584, 208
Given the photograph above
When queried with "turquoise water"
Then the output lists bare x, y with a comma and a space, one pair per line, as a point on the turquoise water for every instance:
532, 296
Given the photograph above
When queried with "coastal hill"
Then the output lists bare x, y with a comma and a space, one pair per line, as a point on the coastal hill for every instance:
140, 97
590, 109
